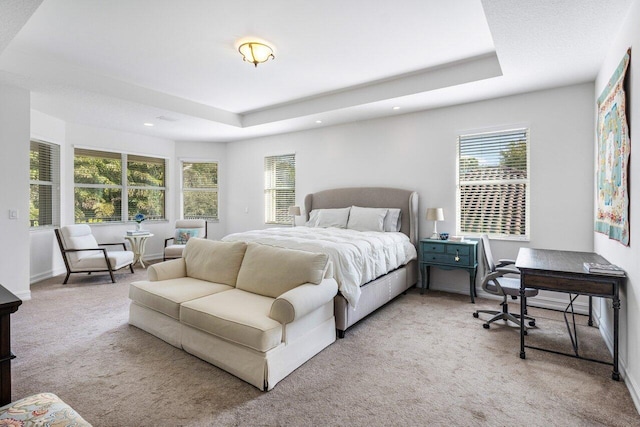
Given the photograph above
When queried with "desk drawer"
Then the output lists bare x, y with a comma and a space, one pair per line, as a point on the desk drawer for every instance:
435, 248
448, 259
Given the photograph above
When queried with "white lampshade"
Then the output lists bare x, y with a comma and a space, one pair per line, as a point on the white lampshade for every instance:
435, 214
294, 210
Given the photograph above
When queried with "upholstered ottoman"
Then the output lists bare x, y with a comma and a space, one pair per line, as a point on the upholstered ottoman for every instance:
44, 409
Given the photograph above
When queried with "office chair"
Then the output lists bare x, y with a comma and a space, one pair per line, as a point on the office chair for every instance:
495, 282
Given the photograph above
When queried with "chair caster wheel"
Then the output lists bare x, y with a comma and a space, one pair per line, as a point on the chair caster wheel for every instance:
532, 323
526, 333
475, 315
485, 325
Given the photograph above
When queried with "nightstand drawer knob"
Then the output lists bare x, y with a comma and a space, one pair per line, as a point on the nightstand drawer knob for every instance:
457, 258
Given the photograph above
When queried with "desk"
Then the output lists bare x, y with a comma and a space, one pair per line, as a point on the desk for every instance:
138, 243
9, 303
449, 255
563, 271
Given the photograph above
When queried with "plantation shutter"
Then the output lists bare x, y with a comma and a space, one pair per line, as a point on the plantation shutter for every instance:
279, 187
44, 184
493, 184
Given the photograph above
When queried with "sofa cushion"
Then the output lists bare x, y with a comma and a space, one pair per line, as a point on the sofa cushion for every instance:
214, 261
167, 295
173, 251
237, 316
117, 259
271, 271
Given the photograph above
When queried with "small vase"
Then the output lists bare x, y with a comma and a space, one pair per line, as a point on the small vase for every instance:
138, 226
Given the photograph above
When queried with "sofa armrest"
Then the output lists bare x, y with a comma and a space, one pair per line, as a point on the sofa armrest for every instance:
166, 270
302, 300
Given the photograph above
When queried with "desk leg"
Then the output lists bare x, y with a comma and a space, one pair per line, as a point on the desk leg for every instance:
616, 320
590, 323
522, 310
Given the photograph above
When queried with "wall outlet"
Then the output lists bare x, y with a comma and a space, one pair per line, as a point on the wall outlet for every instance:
246, 210
13, 214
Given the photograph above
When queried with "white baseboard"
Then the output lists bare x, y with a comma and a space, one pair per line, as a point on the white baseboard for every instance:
24, 295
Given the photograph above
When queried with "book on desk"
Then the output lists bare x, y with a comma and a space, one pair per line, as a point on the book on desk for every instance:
597, 268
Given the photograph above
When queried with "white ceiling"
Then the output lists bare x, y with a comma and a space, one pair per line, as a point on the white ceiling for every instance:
121, 63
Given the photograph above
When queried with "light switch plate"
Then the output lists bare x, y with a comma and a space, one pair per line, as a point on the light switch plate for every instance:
13, 214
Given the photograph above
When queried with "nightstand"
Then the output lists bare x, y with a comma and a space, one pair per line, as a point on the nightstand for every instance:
449, 255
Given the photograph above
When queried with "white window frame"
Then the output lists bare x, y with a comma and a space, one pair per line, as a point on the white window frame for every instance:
511, 135
275, 194
215, 189
125, 215
54, 183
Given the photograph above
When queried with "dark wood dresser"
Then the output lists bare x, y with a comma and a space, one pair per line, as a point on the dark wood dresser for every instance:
9, 303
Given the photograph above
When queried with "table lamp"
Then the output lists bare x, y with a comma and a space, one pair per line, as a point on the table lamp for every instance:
435, 215
294, 211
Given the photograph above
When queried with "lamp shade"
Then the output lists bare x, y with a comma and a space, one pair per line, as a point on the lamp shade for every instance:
435, 214
294, 210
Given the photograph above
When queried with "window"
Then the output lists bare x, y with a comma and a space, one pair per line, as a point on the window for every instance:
493, 184
200, 190
279, 188
112, 186
44, 183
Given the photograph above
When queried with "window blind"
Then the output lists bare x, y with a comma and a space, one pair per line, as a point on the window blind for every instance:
279, 187
200, 190
493, 184
44, 184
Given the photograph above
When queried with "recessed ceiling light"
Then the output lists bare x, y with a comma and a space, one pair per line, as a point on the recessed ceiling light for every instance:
148, 124
396, 108
318, 121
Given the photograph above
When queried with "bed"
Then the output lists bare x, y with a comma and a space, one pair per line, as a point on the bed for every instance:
378, 286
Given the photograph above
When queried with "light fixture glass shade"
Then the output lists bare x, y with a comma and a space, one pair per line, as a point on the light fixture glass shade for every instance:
255, 52
294, 210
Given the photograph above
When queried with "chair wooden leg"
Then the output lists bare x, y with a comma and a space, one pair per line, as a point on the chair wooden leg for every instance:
66, 278
113, 279
131, 267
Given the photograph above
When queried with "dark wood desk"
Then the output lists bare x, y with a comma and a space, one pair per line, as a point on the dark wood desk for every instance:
563, 271
9, 303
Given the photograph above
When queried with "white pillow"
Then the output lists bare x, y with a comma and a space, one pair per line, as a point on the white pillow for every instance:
392, 220
333, 218
367, 219
313, 218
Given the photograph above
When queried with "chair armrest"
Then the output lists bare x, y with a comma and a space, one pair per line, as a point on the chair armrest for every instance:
166, 241
173, 269
302, 300
504, 262
114, 244
86, 249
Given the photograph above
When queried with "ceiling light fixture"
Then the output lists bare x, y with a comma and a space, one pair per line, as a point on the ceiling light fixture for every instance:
255, 52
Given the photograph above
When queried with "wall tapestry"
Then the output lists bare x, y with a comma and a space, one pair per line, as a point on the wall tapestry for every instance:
612, 216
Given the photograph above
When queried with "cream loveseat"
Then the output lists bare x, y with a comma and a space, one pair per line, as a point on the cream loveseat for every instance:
256, 311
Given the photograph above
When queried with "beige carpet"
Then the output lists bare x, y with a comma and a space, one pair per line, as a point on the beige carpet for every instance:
421, 360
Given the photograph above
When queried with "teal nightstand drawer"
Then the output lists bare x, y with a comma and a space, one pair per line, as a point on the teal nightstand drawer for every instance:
460, 250
436, 248
447, 259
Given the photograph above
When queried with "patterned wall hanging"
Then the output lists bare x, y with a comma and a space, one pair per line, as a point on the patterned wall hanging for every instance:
612, 216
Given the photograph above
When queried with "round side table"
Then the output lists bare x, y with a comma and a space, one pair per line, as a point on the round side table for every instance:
138, 243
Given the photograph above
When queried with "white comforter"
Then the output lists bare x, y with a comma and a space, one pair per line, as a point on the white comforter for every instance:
358, 256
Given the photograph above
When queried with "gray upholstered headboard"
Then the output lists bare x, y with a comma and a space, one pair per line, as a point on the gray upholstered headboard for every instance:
370, 197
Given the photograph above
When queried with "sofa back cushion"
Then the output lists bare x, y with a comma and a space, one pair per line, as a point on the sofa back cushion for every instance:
214, 261
271, 271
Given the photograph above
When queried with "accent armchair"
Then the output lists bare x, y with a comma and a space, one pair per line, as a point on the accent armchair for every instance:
497, 282
82, 253
184, 230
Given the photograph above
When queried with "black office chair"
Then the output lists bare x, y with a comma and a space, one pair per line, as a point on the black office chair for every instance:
495, 282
